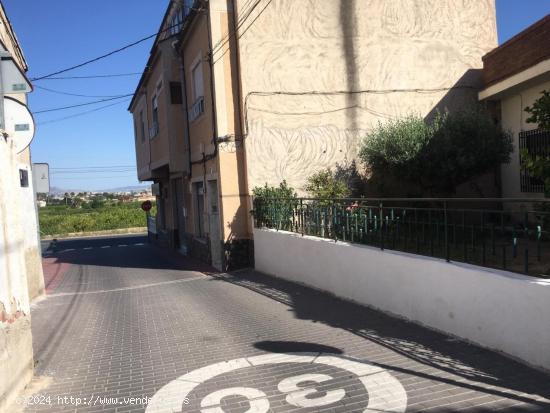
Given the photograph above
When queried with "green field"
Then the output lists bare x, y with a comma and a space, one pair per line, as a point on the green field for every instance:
62, 219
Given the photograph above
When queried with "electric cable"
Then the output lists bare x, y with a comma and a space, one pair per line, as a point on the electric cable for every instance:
75, 94
120, 49
80, 104
81, 113
94, 76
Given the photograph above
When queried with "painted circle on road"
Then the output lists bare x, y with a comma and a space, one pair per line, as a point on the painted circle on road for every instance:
301, 389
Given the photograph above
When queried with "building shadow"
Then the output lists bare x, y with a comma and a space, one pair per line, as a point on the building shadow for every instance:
125, 252
475, 368
462, 95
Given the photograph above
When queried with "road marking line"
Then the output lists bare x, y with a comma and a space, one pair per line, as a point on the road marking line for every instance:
105, 246
88, 248
123, 245
137, 287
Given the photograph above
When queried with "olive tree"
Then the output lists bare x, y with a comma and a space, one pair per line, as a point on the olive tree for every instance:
438, 155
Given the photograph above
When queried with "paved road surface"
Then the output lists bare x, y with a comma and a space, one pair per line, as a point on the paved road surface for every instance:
125, 319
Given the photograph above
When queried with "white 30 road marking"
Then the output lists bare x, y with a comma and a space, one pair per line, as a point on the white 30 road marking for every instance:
258, 400
385, 392
297, 396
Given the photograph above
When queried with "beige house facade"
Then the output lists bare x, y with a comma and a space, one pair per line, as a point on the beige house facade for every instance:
277, 90
515, 74
21, 277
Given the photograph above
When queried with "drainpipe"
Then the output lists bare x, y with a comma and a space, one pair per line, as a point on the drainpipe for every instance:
212, 86
183, 79
241, 118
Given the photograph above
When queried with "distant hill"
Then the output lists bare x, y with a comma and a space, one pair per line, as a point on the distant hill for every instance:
132, 188
129, 188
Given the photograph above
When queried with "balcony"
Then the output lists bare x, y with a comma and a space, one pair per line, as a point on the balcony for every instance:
197, 109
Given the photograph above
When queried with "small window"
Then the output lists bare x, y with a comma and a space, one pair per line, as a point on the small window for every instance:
142, 126
199, 208
198, 83
155, 110
24, 178
175, 93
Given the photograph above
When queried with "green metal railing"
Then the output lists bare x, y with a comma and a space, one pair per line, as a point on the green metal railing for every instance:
510, 234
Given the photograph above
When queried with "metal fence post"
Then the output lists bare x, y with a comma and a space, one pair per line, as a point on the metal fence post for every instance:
381, 229
446, 218
302, 216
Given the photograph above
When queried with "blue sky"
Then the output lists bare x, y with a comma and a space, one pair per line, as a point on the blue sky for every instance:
62, 33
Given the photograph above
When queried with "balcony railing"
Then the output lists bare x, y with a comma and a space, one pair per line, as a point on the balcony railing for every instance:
510, 234
196, 109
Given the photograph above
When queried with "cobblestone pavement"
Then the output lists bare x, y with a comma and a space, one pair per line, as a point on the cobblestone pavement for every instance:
125, 320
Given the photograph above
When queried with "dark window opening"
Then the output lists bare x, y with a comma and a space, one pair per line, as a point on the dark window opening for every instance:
175, 93
24, 178
537, 143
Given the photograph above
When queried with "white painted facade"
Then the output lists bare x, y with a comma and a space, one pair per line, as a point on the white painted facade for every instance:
21, 277
496, 309
16, 354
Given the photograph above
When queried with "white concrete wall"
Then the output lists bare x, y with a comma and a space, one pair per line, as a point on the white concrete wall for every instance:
16, 356
33, 252
496, 309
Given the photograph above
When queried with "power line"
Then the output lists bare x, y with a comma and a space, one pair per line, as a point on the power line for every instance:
110, 171
236, 31
81, 104
74, 94
96, 177
246, 14
93, 167
87, 62
81, 113
93, 76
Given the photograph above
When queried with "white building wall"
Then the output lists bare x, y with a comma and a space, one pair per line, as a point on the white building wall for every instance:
16, 355
496, 309
300, 59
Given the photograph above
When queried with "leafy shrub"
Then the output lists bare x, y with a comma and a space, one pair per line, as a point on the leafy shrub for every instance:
270, 210
325, 184
281, 191
440, 155
56, 220
540, 111
539, 166
352, 179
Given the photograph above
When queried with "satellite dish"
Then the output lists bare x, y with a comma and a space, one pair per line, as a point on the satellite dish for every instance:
18, 123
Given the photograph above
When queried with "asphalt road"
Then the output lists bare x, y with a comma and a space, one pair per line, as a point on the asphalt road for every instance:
129, 327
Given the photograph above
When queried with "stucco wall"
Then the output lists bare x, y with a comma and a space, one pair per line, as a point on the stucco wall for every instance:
33, 252
16, 355
319, 50
497, 309
514, 119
